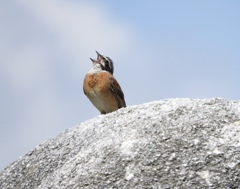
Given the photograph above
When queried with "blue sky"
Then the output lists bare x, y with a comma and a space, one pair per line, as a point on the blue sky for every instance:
161, 49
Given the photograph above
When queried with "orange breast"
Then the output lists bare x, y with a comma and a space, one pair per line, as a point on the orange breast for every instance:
97, 88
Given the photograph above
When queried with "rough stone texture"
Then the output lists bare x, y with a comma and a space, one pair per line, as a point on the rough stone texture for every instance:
173, 143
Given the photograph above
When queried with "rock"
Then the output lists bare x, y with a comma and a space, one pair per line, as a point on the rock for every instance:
173, 143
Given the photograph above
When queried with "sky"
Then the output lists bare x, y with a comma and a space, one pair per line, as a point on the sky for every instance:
160, 50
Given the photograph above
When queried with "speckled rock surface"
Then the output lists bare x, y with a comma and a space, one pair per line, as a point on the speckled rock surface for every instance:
173, 143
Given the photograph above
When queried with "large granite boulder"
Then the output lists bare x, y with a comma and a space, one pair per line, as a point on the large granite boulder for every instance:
173, 143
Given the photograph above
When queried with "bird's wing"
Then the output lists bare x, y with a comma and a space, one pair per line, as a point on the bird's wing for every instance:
116, 90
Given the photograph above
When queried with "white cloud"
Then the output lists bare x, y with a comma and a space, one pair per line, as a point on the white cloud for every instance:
81, 28
25, 67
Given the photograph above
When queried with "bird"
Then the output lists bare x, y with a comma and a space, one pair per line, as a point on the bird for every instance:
101, 87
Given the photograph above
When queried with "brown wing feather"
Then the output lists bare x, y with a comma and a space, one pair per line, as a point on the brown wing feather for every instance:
117, 92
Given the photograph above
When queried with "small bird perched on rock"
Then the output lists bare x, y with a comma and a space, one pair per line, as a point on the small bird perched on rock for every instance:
101, 87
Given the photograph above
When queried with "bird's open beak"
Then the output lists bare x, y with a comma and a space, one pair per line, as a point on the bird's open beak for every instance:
99, 56
94, 61
98, 53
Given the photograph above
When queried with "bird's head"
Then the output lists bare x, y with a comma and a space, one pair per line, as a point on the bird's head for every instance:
106, 62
